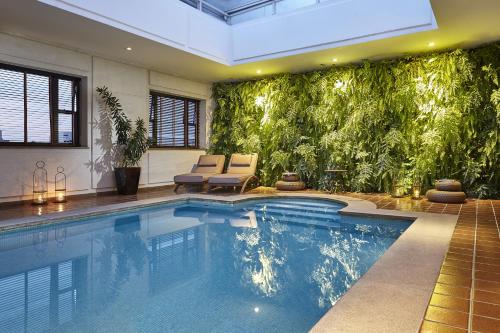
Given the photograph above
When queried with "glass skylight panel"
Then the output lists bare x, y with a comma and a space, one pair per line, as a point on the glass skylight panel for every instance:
236, 11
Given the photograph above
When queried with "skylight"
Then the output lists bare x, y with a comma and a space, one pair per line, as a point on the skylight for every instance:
237, 11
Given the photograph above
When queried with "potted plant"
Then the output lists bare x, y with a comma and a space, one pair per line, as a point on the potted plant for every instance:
130, 144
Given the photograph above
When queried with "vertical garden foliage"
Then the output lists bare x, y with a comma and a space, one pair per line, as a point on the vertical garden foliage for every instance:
417, 118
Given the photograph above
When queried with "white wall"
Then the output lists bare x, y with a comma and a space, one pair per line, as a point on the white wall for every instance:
89, 168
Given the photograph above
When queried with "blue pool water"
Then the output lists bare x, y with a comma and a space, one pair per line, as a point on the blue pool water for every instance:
262, 266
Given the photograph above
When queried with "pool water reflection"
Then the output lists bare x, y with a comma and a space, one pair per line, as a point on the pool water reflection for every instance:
263, 266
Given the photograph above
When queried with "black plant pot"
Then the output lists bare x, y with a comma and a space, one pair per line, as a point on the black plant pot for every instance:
127, 180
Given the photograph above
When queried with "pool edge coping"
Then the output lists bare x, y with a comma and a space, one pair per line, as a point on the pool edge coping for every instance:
351, 313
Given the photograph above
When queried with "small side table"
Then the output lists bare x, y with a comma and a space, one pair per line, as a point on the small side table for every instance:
336, 179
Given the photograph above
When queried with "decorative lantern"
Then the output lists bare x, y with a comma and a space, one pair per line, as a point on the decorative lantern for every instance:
416, 191
60, 185
40, 184
398, 190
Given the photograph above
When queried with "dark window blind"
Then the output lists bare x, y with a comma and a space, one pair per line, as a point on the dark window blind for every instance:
173, 121
38, 108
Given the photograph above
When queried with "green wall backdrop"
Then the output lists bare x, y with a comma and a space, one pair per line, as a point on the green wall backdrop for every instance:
425, 118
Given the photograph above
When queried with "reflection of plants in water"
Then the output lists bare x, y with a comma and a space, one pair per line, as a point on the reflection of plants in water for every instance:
340, 267
345, 250
306, 237
324, 275
261, 254
130, 252
120, 252
346, 257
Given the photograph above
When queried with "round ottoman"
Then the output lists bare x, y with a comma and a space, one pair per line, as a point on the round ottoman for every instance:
290, 186
445, 196
448, 185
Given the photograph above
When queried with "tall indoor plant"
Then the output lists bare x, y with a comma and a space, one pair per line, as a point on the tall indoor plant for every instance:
130, 144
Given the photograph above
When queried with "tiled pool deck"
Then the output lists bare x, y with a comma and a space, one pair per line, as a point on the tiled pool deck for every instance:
467, 293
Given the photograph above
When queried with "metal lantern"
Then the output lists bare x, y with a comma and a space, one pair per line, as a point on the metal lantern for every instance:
60, 185
398, 190
416, 191
40, 184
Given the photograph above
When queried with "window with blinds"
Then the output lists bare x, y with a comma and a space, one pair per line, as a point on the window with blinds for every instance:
38, 108
173, 121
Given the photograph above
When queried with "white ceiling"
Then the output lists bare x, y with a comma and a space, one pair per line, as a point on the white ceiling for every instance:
462, 23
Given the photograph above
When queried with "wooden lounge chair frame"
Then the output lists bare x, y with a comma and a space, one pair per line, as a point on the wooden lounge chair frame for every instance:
237, 171
208, 165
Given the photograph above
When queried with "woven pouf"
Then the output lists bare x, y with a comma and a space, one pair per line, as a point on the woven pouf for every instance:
448, 185
445, 196
290, 186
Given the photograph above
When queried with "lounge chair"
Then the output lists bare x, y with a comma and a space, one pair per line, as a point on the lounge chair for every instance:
208, 165
240, 172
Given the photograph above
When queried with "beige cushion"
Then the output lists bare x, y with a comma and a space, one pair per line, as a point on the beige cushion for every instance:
228, 179
194, 178
241, 160
243, 164
213, 164
208, 160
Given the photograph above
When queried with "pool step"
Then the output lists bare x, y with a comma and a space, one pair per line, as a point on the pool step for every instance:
297, 211
298, 215
304, 204
298, 220
326, 210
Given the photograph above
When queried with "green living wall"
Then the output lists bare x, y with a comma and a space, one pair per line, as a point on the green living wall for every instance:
417, 118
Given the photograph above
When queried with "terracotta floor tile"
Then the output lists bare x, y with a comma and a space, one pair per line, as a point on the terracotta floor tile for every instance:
433, 327
487, 260
488, 276
446, 316
450, 290
465, 273
488, 254
462, 245
450, 302
481, 266
485, 325
487, 286
453, 249
454, 280
487, 310
458, 263
488, 297
459, 256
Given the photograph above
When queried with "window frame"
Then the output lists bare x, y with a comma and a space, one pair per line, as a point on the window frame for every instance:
53, 108
153, 144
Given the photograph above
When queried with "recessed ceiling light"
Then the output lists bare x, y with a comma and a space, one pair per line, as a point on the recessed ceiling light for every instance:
335, 59
259, 71
128, 48
431, 44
